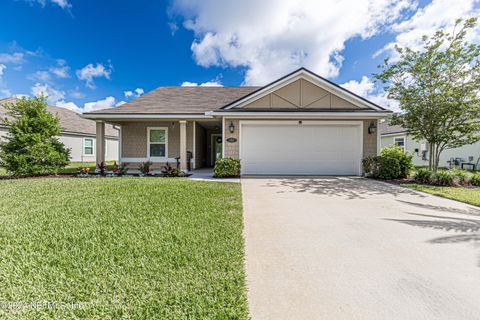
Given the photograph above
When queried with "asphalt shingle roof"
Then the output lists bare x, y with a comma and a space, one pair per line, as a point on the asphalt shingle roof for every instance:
385, 128
181, 100
70, 121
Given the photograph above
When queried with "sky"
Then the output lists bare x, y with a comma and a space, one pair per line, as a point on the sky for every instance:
87, 55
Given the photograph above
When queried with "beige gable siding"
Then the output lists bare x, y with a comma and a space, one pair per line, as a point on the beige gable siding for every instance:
301, 94
232, 149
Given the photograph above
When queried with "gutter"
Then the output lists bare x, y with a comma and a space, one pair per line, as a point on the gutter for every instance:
372, 115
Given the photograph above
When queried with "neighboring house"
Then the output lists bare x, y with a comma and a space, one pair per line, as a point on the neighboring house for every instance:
301, 124
397, 135
78, 134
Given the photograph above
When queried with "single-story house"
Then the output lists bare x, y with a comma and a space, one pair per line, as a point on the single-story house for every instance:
394, 134
300, 124
79, 134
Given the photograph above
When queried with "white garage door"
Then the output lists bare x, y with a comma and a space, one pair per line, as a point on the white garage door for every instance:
307, 148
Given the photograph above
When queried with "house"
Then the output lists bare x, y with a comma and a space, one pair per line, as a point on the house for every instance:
394, 134
300, 124
78, 134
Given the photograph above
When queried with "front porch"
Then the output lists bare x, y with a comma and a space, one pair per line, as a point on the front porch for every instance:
192, 144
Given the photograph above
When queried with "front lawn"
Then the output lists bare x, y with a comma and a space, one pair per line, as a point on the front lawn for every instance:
108, 248
467, 195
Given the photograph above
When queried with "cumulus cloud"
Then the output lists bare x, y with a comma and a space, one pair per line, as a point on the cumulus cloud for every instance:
211, 83
271, 38
14, 58
439, 14
52, 95
61, 70
367, 89
89, 72
137, 93
106, 103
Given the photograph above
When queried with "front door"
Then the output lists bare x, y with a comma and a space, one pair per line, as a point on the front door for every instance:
216, 147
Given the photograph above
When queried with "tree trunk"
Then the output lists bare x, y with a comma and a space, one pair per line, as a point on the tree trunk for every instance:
430, 155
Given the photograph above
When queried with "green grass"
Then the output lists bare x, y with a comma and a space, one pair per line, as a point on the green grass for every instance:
467, 195
133, 248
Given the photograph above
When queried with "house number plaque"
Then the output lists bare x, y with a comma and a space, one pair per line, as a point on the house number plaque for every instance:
231, 140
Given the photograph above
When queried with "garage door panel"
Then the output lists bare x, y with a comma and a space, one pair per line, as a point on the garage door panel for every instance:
321, 149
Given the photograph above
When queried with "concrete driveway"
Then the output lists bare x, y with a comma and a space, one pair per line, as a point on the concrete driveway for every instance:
352, 248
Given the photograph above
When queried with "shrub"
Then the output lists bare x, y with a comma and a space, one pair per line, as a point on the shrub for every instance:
227, 167
404, 159
145, 167
169, 171
460, 177
423, 176
122, 169
443, 178
381, 167
102, 169
475, 179
32, 147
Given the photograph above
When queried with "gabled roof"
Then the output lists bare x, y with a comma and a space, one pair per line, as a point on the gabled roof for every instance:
70, 121
316, 79
180, 100
386, 128
208, 101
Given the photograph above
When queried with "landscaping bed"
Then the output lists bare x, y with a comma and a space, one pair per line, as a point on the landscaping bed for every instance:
121, 248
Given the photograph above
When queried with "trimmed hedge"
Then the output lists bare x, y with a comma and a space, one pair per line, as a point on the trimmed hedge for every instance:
404, 159
381, 167
226, 168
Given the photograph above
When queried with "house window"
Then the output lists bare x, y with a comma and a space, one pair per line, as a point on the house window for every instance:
88, 147
400, 141
157, 142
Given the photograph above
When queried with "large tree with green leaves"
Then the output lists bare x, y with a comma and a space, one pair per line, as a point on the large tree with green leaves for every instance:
32, 146
438, 89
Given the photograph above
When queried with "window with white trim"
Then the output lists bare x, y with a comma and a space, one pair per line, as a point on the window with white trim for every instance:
399, 141
88, 147
157, 142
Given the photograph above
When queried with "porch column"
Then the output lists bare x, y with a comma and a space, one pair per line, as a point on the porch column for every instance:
100, 142
183, 145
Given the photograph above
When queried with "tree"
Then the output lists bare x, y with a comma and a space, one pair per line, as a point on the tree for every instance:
32, 147
438, 89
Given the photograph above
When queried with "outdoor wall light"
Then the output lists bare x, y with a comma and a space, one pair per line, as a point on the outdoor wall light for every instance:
372, 128
231, 127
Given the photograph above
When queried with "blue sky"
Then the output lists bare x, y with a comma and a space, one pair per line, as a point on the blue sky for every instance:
86, 54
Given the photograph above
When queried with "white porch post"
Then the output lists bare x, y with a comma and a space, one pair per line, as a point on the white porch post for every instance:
100, 142
183, 145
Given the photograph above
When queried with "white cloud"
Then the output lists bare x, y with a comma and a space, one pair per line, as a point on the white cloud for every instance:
439, 14
2, 69
137, 93
53, 95
212, 83
5, 93
43, 76
64, 4
61, 70
69, 105
273, 37
15, 58
366, 88
106, 103
89, 72
76, 93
